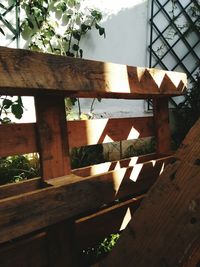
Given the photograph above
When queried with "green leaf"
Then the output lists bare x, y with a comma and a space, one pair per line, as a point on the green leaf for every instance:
102, 31
75, 47
76, 35
84, 27
19, 101
17, 110
69, 54
1, 30
81, 53
30, 24
7, 103
97, 26
96, 14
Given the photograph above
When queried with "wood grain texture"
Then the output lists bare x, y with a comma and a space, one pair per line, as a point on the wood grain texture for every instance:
109, 130
21, 138
70, 195
161, 124
51, 136
26, 72
123, 163
60, 245
29, 251
95, 227
166, 227
14, 189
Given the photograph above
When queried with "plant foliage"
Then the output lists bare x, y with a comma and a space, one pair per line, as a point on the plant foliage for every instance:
188, 111
57, 26
17, 168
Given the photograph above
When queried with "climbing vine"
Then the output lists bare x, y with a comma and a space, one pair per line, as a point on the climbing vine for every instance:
57, 26
52, 26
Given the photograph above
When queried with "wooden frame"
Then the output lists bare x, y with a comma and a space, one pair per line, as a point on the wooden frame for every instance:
61, 196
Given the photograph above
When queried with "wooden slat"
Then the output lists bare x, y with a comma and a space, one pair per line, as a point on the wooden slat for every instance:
162, 127
29, 185
27, 252
21, 187
51, 136
123, 163
166, 227
71, 195
60, 241
17, 139
21, 138
194, 255
109, 130
94, 228
26, 72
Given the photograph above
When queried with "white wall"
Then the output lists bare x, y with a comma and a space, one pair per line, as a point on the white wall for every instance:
126, 25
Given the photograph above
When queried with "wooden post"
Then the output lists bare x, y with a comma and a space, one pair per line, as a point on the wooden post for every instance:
161, 123
52, 141
54, 159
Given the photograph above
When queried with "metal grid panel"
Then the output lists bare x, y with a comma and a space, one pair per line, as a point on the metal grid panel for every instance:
9, 23
174, 38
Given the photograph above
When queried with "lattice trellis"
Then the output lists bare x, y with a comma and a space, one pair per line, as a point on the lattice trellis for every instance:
9, 22
175, 38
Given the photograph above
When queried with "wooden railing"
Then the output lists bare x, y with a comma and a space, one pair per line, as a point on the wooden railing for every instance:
43, 221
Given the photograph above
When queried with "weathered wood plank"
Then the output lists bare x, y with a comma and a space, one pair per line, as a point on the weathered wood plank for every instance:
166, 227
123, 163
61, 247
109, 130
17, 139
14, 189
26, 252
51, 136
161, 124
21, 138
29, 185
27, 72
94, 228
71, 195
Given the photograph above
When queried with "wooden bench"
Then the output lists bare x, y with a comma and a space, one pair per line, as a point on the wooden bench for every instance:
44, 221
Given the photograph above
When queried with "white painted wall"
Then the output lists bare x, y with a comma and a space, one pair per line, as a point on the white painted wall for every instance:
126, 25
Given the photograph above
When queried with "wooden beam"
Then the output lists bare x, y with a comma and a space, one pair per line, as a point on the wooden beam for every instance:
166, 227
14, 189
123, 163
109, 130
161, 124
29, 185
51, 136
94, 228
21, 138
31, 211
24, 72
29, 251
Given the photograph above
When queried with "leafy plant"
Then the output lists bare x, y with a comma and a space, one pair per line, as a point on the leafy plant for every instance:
10, 105
17, 168
84, 156
93, 254
57, 26
140, 147
53, 26
188, 111
108, 243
